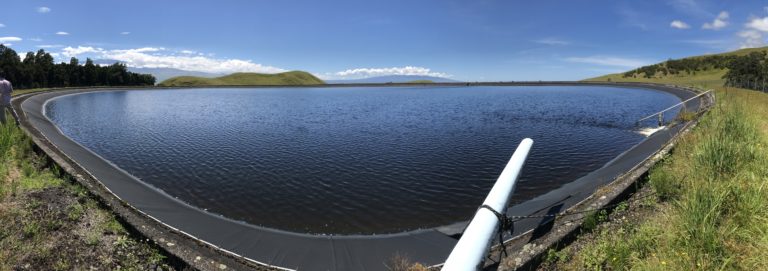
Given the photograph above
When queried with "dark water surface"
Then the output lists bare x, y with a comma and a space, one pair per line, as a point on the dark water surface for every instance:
353, 160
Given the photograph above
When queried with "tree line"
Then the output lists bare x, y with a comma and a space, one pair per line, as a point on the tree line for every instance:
678, 66
38, 70
750, 71
747, 71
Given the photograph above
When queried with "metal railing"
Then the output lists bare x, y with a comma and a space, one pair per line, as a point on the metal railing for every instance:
471, 250
469, 253
660, 114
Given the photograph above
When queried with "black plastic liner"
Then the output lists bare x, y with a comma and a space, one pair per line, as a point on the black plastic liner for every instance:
322, 252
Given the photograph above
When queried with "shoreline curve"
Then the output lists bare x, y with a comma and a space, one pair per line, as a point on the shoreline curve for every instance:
289, 250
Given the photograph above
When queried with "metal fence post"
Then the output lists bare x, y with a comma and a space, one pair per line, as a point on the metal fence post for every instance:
661, 119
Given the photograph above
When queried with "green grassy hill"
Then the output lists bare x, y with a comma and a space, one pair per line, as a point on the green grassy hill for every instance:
709, 78
703, 79
247, 79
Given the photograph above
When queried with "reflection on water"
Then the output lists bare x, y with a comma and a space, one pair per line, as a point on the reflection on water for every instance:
353, 160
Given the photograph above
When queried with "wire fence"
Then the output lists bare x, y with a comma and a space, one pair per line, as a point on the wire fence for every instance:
704, 99
758, 84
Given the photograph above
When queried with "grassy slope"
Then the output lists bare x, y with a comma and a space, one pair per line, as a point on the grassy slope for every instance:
50, 223
244, 79
710, 209
704, 79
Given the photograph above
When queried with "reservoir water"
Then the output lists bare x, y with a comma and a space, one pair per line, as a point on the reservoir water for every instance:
354, 160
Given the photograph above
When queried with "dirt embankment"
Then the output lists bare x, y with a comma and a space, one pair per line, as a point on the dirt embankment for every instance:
50, 223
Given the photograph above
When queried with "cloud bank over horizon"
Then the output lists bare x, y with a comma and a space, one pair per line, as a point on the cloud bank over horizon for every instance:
159, 57
374, 72
191, 60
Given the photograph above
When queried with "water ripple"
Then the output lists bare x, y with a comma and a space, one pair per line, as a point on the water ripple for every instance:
353, 160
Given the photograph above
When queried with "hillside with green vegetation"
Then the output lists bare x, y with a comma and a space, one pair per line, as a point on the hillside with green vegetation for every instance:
708, 71
291, 78
706, 205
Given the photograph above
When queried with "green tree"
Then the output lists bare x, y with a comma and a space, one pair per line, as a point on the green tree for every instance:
39, 70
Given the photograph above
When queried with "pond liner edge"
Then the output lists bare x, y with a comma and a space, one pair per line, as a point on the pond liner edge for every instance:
340, 252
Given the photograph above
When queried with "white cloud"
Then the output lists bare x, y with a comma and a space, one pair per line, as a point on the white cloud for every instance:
5, 40
610, 61
2, 25
188, 52
36, 39
552, 41
760, 24
125, 33
718, 23
158, 57
371, 72
679, 24
750, 34
75, 51
753, 34
48, 46
62, 33
43, 9
751, 39
140, 50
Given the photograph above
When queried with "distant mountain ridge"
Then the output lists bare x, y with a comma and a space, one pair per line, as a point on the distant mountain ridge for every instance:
393, 79
291, 78
160, 74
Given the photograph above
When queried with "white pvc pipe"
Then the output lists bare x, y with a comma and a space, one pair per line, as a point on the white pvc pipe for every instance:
470, 251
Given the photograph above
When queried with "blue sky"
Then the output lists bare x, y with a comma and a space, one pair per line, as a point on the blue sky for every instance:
465, 40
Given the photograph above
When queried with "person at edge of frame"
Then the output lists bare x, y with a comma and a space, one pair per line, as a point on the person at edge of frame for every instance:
5, 99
